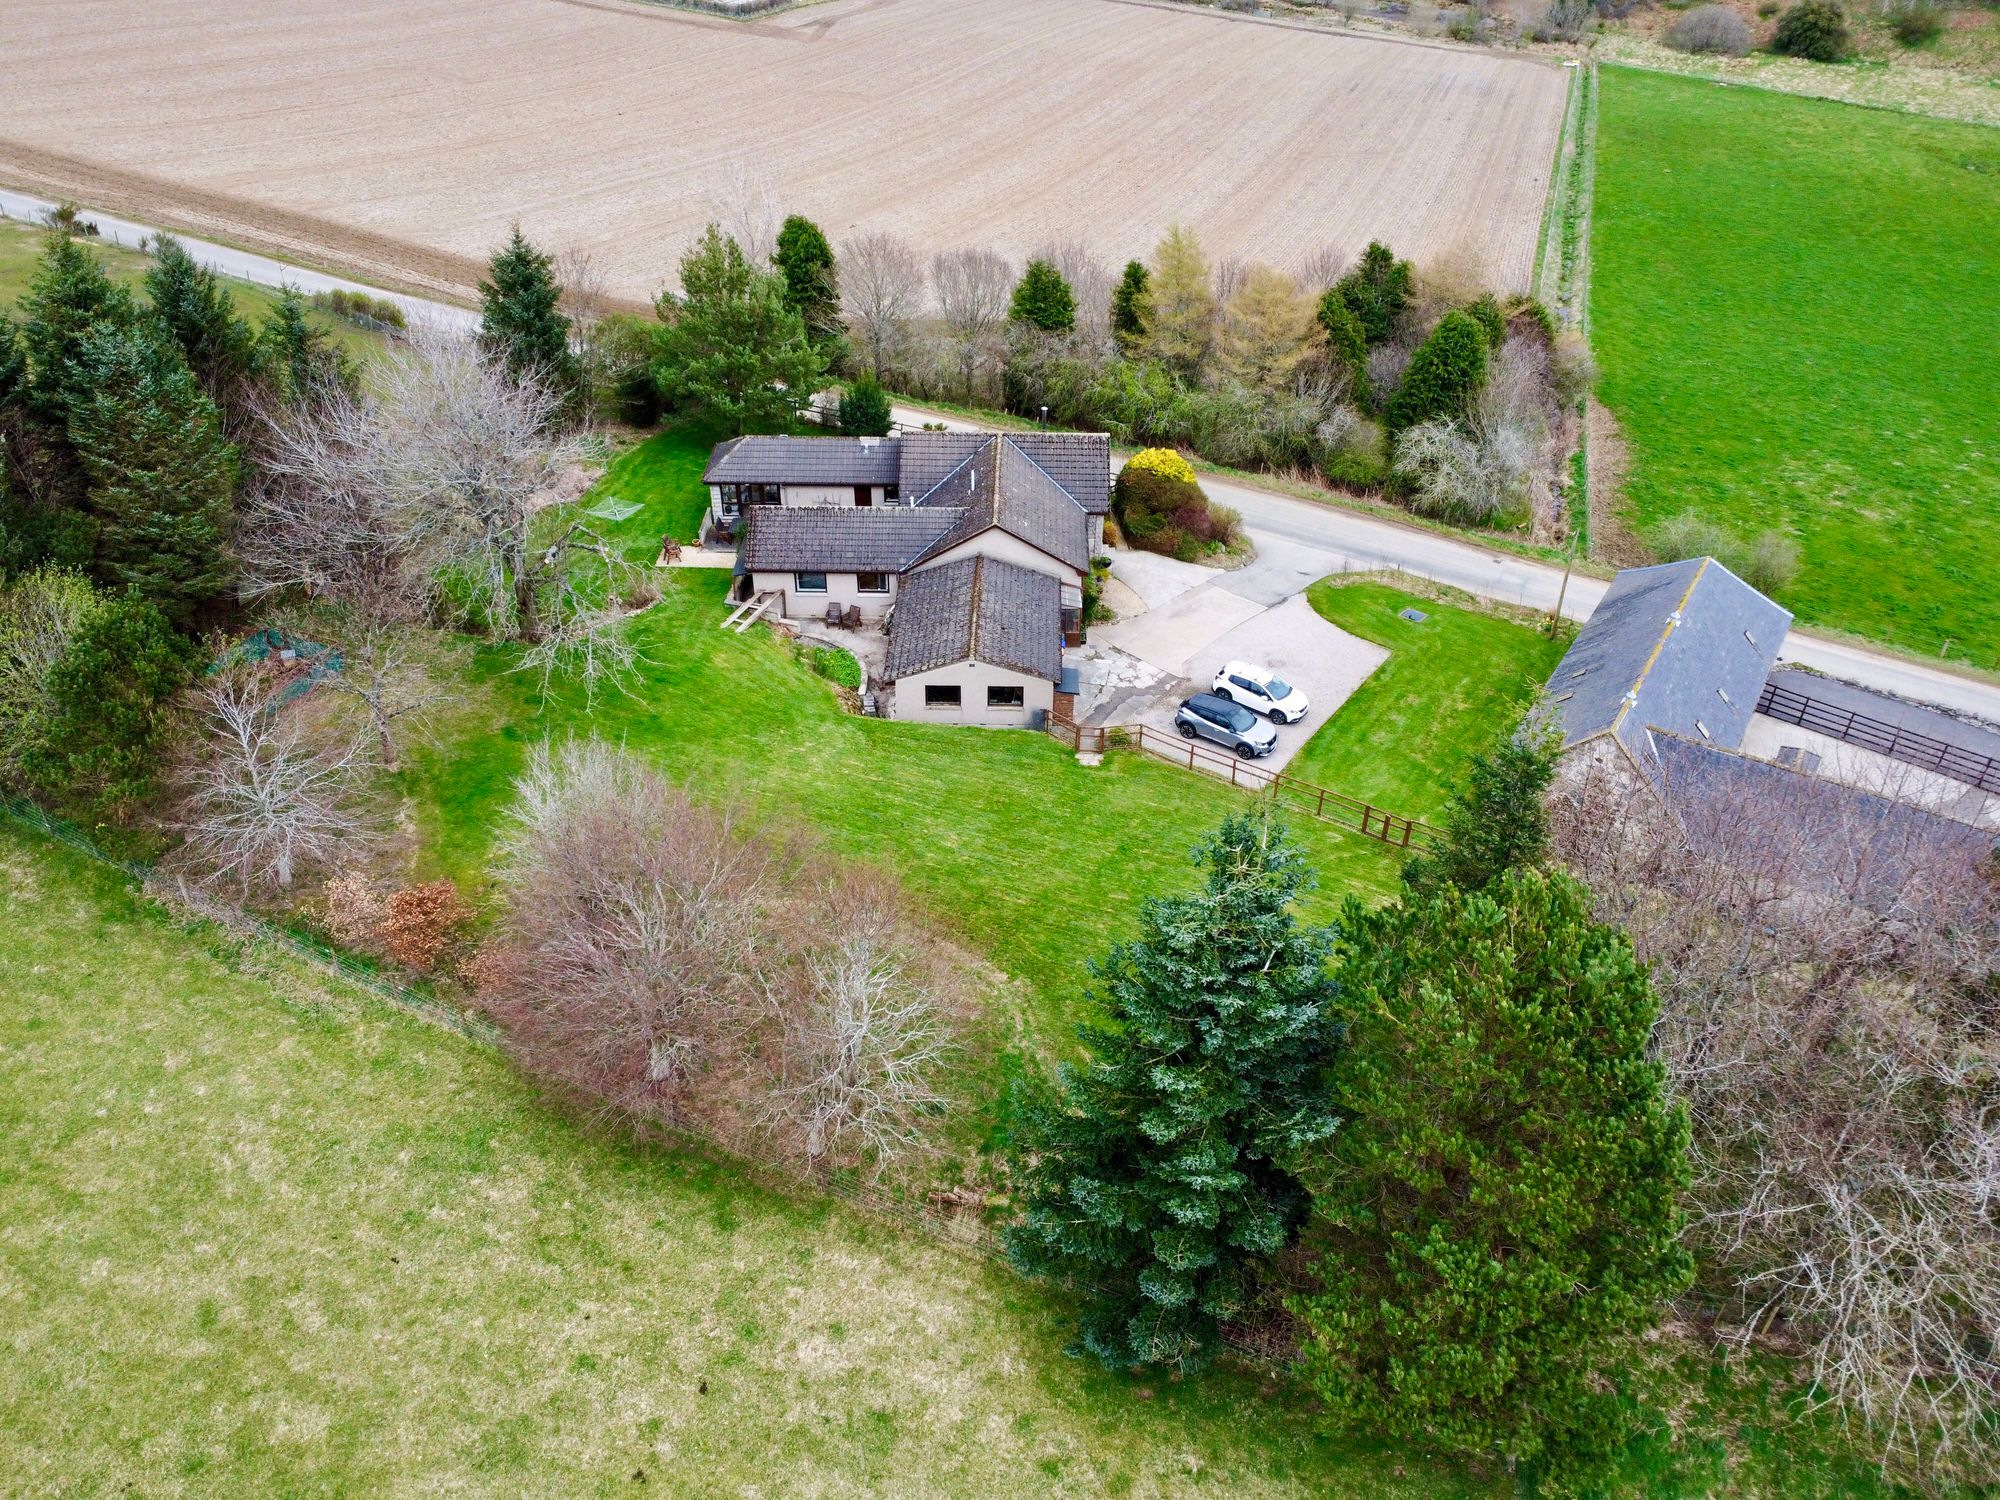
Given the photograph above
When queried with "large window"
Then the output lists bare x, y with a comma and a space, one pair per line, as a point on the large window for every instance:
1005, 697
809, 583
941, 695
871, 583
735, 497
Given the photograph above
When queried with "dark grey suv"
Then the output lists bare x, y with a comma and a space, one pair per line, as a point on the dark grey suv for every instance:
1207, 717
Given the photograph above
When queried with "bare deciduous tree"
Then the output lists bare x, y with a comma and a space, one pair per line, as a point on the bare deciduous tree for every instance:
635, 918
860, 1036
973, 290
1090, 282
1827, 965
384, 672
881, 291
586, 298
743, 206
262, 803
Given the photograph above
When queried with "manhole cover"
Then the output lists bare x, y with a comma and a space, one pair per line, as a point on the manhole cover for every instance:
1415, 615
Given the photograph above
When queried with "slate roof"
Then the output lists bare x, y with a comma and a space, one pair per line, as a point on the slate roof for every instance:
999, 485
977, 609
1079, 462
1684, 647
805, 460
1825, 833
840, 539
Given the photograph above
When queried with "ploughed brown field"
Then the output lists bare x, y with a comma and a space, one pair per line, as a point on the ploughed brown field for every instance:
404, 137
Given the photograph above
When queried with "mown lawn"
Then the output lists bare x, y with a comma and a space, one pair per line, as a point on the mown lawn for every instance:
1036, 861
1795, 307
1454, 684
21, 247
260, 1236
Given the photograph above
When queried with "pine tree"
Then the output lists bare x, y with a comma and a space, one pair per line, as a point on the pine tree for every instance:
1130, 300
68, 299
812, 281
1496, 1216
1152, 1181
1446, 370
1377, 290
1485, 311
106, 714
1266, 330
1042, 299
1347, 343
865, 409
731, 349
298, 356
521, 321
1497, 821
1180, 316
160, 472
192, 305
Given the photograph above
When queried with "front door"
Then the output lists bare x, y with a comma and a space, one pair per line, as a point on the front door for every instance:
863, 495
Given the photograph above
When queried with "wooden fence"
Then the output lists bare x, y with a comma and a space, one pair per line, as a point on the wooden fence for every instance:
1315, 801
1906, 745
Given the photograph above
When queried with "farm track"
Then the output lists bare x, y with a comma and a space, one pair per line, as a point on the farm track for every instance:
405, 139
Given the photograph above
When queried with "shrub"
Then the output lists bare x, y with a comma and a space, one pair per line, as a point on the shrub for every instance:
1716, 29
1445, 370
1814, 29
1769, 563
1161, 513
1485, 311
864, 409
421, 923
837, 666
1916, 21
1165, 461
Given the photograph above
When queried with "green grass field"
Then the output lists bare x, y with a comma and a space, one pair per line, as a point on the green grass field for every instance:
1453, 685
1795, 308
259, 1236
21, 245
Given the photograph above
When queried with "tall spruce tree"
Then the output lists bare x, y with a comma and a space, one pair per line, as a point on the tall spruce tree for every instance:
1444, 374
1496, 1216
1347, 343
812, 280
1152, 1177
521, 320
1377, 290
192, 305
300, 357
161, 474
731, 348
1042, 299
1497, 821
1129, 300
68, 299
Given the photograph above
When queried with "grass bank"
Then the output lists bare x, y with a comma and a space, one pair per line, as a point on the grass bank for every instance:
1456, 682
1795, 311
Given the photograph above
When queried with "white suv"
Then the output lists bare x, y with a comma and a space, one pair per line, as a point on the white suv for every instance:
1262, 691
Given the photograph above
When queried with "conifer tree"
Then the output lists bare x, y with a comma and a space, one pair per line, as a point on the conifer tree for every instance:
68, 299
1180, 315
864, 408
161, 475
1497, 821
1129, 301
1446, 370
192, 305
812, 280
1496, 1216
298, 356
1152, 1179
1377, 290
1042, 299
1266, 329
731, 349
1347, 342
522, 323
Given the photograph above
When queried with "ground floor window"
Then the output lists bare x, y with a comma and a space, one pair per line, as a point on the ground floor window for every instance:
809, 583
1005, 697
940, 695
871, 583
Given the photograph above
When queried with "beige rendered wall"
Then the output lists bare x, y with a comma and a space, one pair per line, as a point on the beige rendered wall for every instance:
973, 678
1001, 545
840, 589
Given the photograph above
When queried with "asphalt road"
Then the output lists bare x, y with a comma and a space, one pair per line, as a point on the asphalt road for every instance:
1297, 540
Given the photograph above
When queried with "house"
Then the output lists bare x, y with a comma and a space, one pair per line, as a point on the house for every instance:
970, 548
1674, 679
1684, 648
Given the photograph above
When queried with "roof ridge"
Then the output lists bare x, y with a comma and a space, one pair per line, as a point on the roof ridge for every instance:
976, 589
1673, 620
